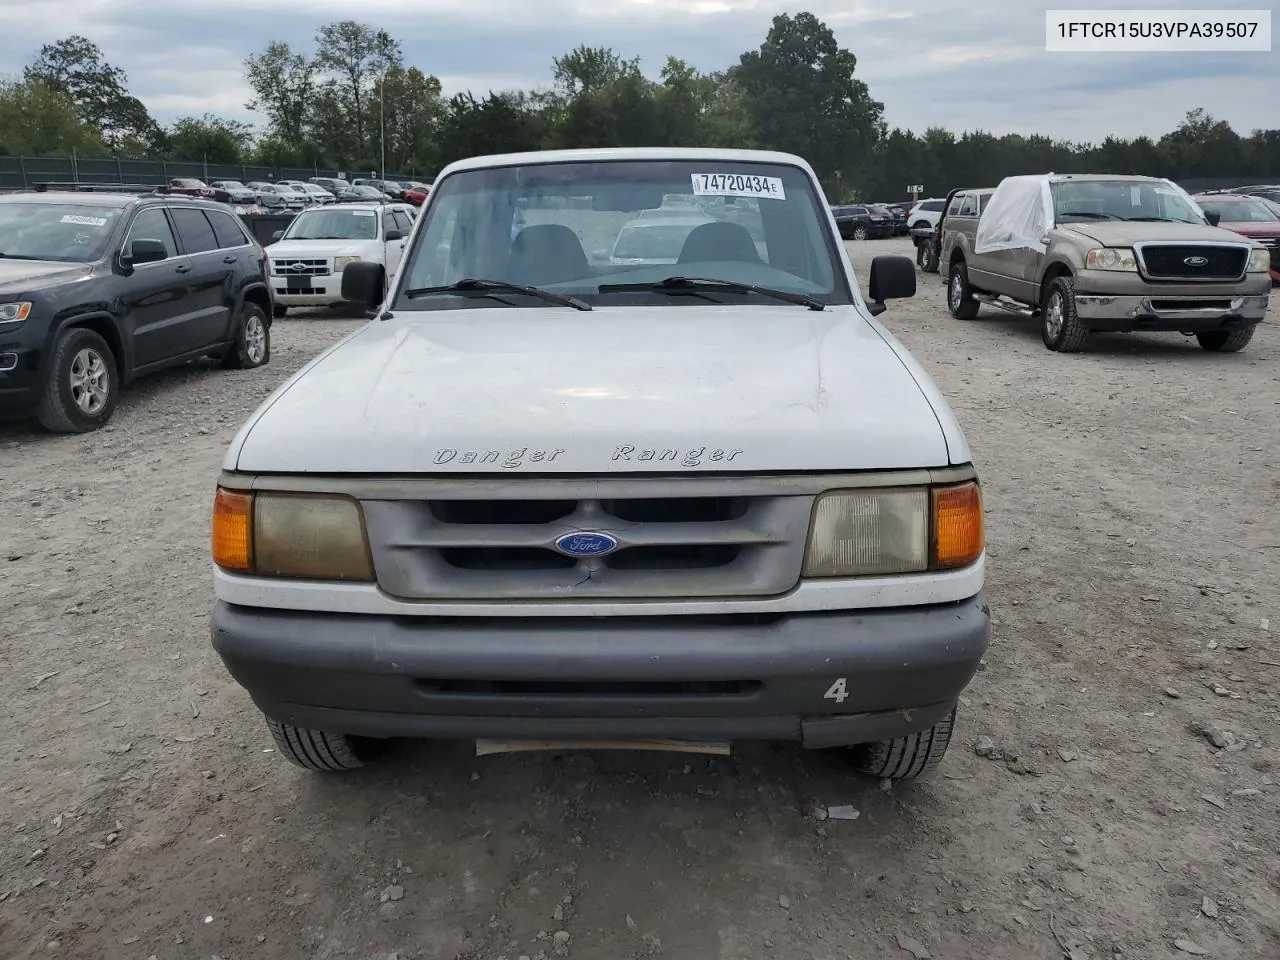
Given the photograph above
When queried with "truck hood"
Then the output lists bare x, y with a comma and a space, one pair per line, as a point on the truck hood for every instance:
1258, 230
287, 249
622, 389
1125, 233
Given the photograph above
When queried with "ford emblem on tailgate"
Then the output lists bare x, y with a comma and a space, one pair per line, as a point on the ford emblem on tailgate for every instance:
1196, 261
583, 544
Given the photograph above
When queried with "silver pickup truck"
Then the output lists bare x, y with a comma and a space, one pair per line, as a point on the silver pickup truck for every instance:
1115, 253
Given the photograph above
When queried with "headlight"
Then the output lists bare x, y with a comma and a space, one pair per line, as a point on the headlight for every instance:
340, 263
14, 312
881, 532
1259, 261
1111, 258
290, 535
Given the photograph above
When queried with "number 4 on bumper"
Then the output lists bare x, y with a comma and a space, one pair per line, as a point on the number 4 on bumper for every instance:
838, 691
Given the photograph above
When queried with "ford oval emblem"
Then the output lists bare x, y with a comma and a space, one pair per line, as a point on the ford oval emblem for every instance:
586, 544
1196, 261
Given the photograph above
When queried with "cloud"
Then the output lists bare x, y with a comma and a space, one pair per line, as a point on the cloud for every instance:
940, 63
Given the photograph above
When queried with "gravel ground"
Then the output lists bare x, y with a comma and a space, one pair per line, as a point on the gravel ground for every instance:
1126, 802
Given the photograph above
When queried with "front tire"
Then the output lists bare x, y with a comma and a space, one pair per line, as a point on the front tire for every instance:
316, 749
253, 340
929, 258
960, 299
80, 394
860, 232
1226, 341
1060, 326
909, 757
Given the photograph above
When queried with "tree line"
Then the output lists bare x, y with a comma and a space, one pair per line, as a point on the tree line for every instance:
340, 103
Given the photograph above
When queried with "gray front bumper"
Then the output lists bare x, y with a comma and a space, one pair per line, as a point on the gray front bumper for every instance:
705, 678
1112, 312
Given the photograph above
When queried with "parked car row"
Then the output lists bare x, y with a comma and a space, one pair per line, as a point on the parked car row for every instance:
296, 195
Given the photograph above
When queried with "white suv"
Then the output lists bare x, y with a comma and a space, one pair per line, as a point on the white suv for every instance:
925, 213
307, 258
727, 505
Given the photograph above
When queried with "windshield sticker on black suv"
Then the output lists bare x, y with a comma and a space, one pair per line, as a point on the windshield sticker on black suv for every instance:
85, 221
737, 185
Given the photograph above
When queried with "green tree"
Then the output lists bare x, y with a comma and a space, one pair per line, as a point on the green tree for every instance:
804, 97
208, 139
283, 82
507, 122
39, 120
76, 67
413, 106
353, 57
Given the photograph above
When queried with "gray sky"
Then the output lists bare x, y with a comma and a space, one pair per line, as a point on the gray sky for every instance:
931, 62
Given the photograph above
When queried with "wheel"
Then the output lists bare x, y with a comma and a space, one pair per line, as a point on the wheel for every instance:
959, 294
860, 232
279, 309
1060, 327
929, 258
909, 757
80, 394
253, 341
1226, 341
920, 224
315, 749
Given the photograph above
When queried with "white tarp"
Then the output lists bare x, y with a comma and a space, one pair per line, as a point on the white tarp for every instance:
1017, 216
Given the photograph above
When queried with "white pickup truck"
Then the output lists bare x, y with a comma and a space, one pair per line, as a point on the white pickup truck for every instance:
548, 498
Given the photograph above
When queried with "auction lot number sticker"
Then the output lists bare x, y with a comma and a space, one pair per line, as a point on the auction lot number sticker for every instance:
737, 185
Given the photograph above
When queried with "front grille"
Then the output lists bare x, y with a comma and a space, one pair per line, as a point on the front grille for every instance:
668, 547
1168, 261
300, 268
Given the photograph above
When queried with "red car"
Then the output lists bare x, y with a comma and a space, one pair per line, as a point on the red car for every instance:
1253, 217
416, 193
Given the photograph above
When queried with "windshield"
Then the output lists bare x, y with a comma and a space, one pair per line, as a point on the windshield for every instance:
55, 231
231, 185
333, 225
1240, 211
574, 227
361, 190
1077, 200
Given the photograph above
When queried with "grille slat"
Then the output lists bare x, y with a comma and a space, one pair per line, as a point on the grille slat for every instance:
683, 547
1168, 261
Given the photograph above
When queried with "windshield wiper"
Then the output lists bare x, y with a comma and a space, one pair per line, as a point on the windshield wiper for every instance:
678, 285
1091, 213
484, 287
1161, 220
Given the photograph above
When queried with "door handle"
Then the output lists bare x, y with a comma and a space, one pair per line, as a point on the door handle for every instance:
228, 259
183, 268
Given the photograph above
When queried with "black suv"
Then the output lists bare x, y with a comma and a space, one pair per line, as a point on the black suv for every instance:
860, 222
98, 288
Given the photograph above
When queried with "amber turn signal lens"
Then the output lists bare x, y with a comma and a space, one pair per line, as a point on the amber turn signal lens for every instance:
232, 530
958, 538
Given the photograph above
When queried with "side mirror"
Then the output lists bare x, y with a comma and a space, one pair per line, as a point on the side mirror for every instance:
892, 278
278, 235
394, 235
1213, 218
144, 251
363, 282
